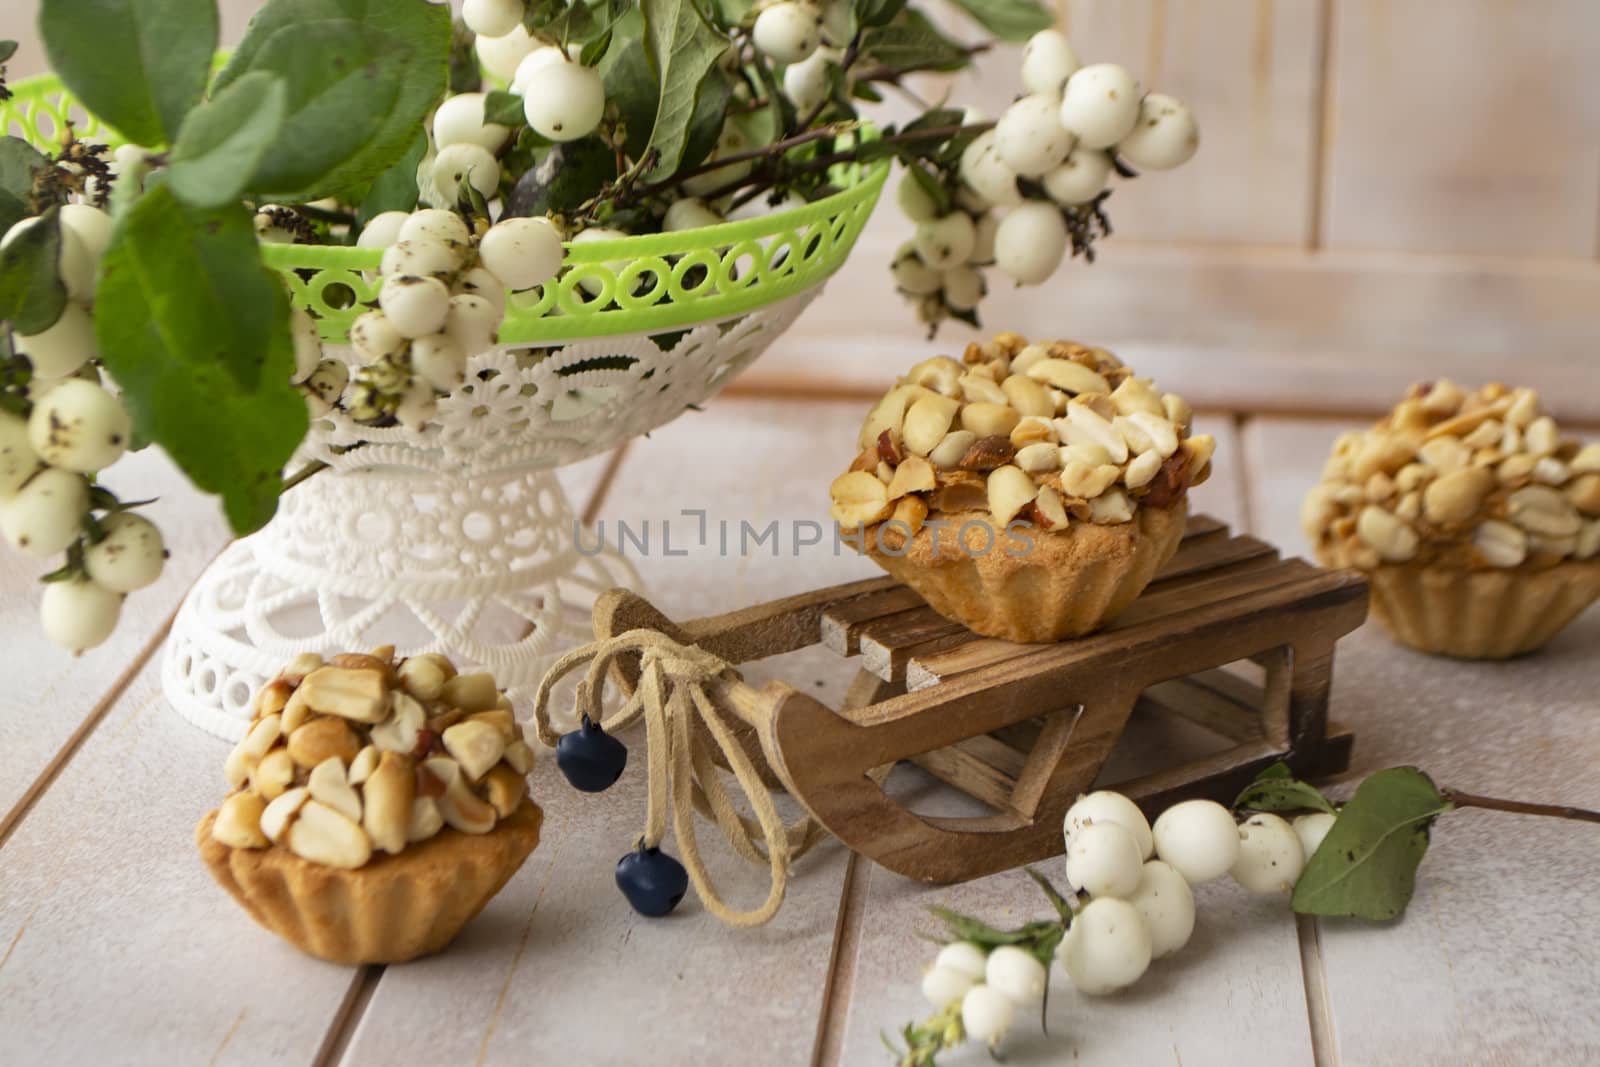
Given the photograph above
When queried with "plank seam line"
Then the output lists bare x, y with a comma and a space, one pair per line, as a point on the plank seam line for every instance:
837, 989
1319, 1010
516, 958
342, 1027
222, 1046
1241, 473
97, 714
1322, 126
602, 489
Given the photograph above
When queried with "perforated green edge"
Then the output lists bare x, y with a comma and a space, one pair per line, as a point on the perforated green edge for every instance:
738, 266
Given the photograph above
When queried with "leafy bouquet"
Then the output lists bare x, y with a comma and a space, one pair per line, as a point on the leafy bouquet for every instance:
137, 308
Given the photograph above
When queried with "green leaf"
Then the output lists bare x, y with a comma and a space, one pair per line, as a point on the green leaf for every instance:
1367, 865
710, 112
19, 163
905, 45
223, 140
361, 74
732, 12
870, 14
595, 50
139, 65
966, 928
504, 108
632, 87
396, 188
1275, 789
466, 75
7, 50
31, 292
565, 178
195, 330
1062, 905
1009, 20
684, 49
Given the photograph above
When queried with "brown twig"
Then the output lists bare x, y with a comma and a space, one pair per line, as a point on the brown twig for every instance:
316, 466
776, 148
1520, 807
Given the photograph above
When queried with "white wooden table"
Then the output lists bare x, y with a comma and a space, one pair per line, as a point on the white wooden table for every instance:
115, 946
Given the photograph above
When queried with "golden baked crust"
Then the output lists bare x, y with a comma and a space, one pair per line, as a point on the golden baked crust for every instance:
1071, 582
1477, 613
393, 909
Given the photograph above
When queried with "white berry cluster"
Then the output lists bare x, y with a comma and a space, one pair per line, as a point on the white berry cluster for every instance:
1132, 902
562, 99
989, 986
56, 439
442, 299
794, 32
1023, 182
1137, 878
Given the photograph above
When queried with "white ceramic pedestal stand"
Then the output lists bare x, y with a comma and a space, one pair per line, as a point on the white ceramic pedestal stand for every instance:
457, 540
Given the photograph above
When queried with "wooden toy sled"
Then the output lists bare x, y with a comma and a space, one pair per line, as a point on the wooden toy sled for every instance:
1025, 729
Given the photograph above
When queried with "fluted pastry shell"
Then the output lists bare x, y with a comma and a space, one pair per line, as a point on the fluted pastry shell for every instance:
393, 909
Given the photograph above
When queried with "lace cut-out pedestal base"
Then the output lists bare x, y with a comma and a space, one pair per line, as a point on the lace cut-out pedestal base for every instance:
484, 570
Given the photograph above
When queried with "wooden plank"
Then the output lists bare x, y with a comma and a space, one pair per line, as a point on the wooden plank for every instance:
888, 644
1243, 952
843, 625
1409, 166
1211, 552
1248, 69
555, 957
1241, 328
57, 694
1156, 608
92, 974
1494, 890
1200, 704
119, 946
961, 767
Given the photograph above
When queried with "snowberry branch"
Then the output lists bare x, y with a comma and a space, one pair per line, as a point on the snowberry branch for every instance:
1520, 807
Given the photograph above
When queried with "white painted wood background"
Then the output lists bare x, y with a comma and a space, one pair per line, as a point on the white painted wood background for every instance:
1386, 190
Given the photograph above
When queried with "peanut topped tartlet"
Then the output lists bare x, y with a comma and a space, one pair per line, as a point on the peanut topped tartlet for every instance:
1029, 491
1476, 520
377, 806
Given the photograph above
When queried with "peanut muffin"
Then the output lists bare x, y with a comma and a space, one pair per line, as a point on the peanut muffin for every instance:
377, 806
1476, 520
1028, 491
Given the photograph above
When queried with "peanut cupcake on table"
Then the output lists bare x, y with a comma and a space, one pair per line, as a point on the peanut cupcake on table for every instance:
1476, 520
1028, 491
377, 806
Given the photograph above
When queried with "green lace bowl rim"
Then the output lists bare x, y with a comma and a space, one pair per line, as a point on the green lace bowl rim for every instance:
648, 284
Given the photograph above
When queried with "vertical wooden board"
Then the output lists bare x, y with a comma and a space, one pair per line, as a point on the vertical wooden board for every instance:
1222, 495
1430, 151
1493, 962
1235, 986
117, 944
54, 693
558, 965
1282, 461
1249, 70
